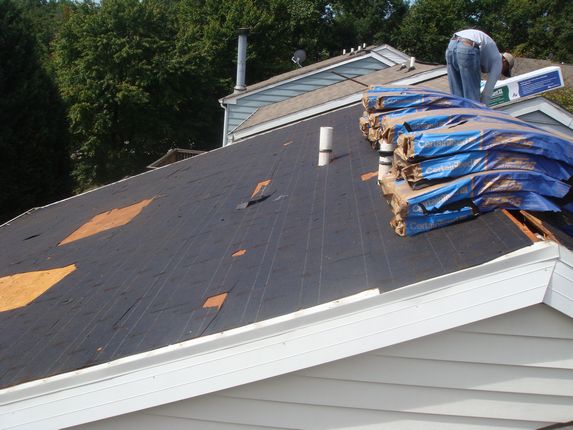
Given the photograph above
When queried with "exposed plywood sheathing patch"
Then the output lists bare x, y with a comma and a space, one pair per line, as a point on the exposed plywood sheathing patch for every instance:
215, 301
20, 289
239, 253
367, 176
522, 226
260, 187
106, 221
537, 225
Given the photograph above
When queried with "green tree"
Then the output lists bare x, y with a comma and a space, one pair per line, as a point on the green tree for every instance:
538, 29
507, 22
277, 28
46, 17
370, 22
33, 136
429, 25
131, 95
551, 35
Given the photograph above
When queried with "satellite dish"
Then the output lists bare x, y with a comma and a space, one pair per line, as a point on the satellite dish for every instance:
298, 57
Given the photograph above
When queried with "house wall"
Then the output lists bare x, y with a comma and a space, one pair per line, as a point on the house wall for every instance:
513, 371
247, 105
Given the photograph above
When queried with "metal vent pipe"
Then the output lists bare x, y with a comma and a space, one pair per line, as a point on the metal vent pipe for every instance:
241, 59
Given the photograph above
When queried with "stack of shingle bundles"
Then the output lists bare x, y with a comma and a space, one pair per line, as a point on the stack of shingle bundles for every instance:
426, 157
370, 119
434, 170
424, 209
489, 160
381, 98
455, 159
386, 102
392, 126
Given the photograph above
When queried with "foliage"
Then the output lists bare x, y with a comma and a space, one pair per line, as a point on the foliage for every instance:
33, 136
277, 28
507, 22
551, 35
429, 24
371, 22
45, 18
131, 96
541, 29
563, 97
538, 29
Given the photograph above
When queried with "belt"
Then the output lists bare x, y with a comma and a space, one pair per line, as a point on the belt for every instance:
467, 42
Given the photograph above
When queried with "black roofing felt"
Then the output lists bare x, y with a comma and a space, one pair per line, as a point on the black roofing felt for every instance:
322, 234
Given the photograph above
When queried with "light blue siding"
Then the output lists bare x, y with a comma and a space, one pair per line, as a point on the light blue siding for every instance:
247, 105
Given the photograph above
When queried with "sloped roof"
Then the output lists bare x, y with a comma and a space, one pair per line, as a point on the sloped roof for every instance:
301, 71
332, 92
308, 237
338, 95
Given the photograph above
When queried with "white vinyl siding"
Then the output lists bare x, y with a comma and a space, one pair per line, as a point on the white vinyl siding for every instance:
513, 371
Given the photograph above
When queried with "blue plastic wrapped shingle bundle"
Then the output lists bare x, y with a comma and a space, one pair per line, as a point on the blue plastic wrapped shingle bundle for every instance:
421, 210
434, 170
376, 119
480, 136
412, 98
377, 91
437, 198
364, 124
512, 201
406, 88
392, 126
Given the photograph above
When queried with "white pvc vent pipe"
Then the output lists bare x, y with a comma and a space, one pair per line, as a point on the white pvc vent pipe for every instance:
325, 146
386, 152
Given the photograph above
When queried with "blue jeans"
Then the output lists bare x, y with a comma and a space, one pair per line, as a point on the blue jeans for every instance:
464, 74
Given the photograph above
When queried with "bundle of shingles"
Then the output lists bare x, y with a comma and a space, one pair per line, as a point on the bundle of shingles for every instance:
444, 159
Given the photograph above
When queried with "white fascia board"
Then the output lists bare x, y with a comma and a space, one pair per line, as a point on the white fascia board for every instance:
396, 55
328, 106
233, 99
560, 295
541, 104
329, 332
